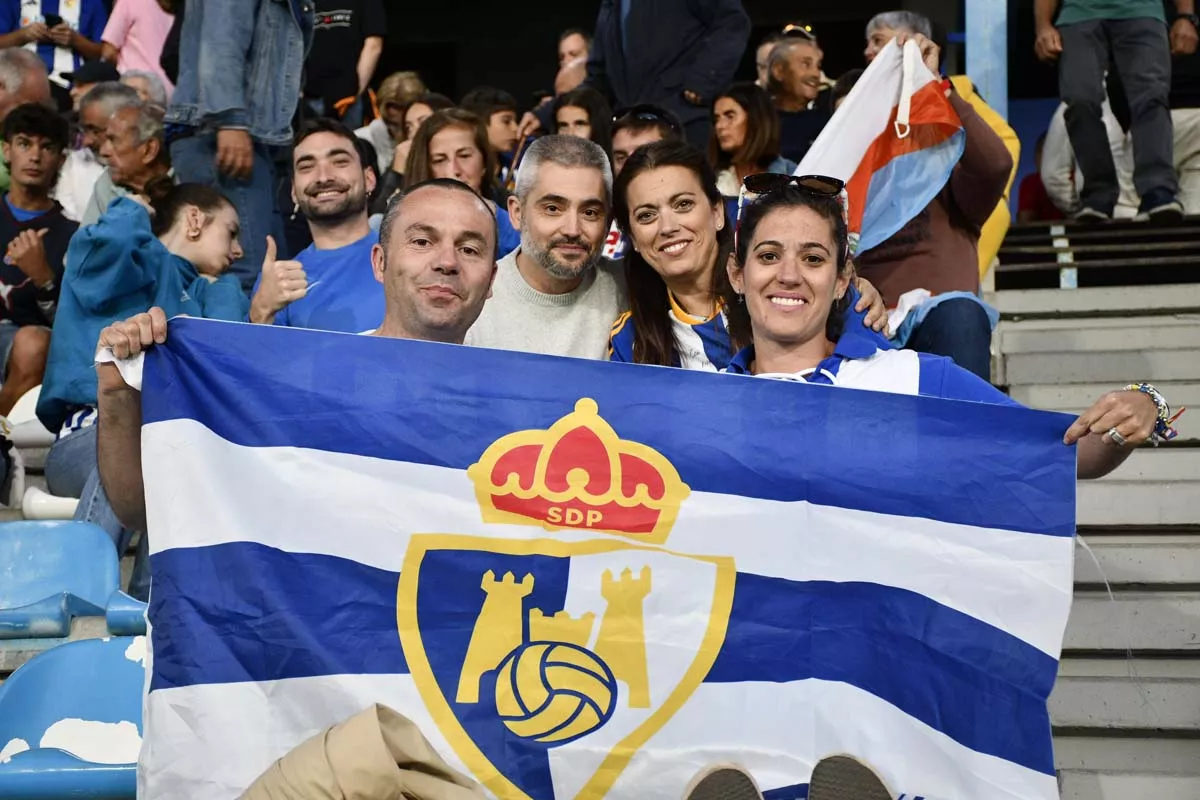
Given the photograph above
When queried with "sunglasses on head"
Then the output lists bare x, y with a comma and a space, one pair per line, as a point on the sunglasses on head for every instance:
768, 182
799, 31
647, 113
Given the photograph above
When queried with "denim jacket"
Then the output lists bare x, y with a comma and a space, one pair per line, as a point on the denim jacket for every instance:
240, 64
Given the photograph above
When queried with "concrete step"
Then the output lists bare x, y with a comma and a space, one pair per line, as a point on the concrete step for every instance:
1159, 464
1114, 501
1127, 768
1141, 621
1074, 398
1145, 695
1164, 561
1118, 301
1117, 367
1104, 334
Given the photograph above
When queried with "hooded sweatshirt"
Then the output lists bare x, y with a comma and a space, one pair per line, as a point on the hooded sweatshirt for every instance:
115, 269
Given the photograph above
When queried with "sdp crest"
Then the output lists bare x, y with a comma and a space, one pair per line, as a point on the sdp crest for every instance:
521, 647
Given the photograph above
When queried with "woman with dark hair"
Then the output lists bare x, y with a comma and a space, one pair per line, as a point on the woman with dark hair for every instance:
682, 312
585, 113
791, 272
411, 117
453, 143
172, 249
745, 137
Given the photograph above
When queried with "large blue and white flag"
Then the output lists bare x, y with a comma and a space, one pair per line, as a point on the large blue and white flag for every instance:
588, 580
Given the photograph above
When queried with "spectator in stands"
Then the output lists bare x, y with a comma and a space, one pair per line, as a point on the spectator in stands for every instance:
1062, 177
1185, 120
934, 259
1033, 204
682, 311
391, 179
574, 44
745, 137
78, 177
134, 36
234, 104
135, 154
675, 53
22, 80
436, 261
88, 75
887, 26
334, 82
35, 235
795, 82
498, 110
148, 86
633, 129
453, 143
762, 58
554, 294
66, 34
177, 259
397, 92
584, 112
1133, 38
329, 285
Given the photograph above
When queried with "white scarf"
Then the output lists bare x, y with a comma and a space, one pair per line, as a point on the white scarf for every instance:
64, 57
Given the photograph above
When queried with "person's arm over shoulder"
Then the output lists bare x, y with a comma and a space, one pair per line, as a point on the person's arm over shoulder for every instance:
718, 56
225, 32
981, 176
620, 341
225, 299
941, 377
111, 259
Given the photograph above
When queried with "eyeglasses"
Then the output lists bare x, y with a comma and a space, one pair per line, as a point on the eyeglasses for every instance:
769, 182
645, 112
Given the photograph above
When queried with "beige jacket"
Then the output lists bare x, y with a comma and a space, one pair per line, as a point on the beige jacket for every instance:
374, 755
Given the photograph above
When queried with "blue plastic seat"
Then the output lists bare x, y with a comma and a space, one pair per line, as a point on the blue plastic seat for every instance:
82, 690
52, 572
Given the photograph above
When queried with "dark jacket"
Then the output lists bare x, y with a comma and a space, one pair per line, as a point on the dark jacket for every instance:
673, 45
21, 302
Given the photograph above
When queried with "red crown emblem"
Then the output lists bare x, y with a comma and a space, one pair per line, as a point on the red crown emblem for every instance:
579, 474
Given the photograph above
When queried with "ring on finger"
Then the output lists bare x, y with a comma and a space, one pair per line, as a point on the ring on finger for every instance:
1115, 437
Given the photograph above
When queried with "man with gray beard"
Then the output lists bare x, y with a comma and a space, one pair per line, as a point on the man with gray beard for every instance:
554, 295
330, 285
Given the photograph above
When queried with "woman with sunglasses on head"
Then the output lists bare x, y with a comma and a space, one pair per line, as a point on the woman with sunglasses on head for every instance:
792, 273
666, 202
745, 138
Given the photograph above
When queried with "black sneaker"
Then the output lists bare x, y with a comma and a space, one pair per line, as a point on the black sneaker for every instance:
845, 778
1090, 215
1160, 206
723, 782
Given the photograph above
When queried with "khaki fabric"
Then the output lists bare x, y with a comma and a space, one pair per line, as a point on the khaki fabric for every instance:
375, 755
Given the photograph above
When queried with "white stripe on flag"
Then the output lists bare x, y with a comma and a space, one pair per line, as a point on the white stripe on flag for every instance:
286, 497
244, 727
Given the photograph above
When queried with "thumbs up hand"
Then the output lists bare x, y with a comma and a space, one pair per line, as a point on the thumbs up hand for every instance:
282, 283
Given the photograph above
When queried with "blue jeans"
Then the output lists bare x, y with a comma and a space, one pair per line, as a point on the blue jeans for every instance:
194, 158
959, 329
71, 471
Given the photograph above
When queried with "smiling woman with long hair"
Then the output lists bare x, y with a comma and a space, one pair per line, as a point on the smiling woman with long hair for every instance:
682, 309
791, 271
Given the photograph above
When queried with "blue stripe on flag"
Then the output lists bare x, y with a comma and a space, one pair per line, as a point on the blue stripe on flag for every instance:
305, 615
904, 186
877, 638
968, 463
291, 615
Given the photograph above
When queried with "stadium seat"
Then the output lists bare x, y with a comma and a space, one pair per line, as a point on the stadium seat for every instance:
125, 615
54, 571
70, 722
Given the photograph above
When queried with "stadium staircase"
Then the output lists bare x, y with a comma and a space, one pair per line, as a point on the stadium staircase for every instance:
1085, 310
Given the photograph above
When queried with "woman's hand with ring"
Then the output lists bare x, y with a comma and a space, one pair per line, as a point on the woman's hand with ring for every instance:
1131, 414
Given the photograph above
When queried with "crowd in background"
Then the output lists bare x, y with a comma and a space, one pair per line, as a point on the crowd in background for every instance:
228, 159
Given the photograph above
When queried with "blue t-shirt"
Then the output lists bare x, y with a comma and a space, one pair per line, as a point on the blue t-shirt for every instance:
20, 214
92, 19
343, 294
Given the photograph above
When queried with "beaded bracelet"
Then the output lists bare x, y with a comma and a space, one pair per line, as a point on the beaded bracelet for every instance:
1163, 432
